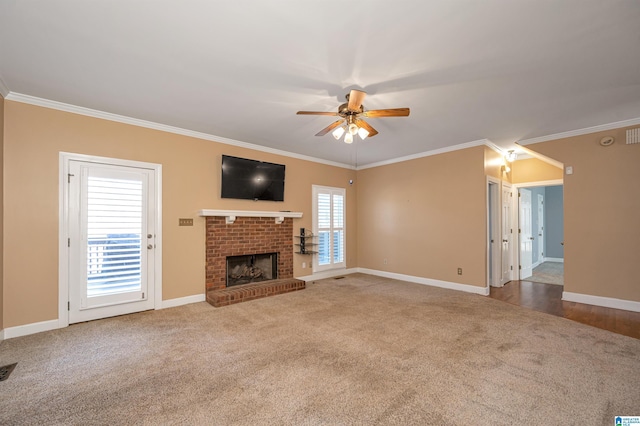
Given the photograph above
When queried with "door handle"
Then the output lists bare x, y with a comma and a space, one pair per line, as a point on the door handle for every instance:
531, 238
505, 241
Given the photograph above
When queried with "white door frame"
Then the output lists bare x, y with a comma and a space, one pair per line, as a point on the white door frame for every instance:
525, 231
516, 186
63, 226
540, 231
493, 222
510, 237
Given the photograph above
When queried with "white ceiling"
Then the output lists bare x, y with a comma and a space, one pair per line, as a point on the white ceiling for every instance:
469, 70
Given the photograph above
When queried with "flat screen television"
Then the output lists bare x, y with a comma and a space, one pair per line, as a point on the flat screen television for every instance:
252, 180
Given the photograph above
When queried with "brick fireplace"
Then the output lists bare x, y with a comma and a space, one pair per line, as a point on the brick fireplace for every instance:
248, 236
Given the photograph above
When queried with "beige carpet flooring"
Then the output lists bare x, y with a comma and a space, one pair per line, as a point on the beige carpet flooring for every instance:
362, 350
548, 273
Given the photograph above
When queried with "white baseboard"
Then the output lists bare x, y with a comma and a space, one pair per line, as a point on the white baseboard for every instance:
327, 274
538, 263
37, 327
607, 302
24, 330
172, 303
554, 259
484, 291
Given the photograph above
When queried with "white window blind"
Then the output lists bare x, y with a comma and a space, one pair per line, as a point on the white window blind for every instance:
114, 228
329, 226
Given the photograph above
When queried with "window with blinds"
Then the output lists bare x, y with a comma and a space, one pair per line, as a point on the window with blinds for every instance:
114, 229
329, 226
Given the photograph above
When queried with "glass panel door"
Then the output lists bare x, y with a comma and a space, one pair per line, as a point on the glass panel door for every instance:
111, 240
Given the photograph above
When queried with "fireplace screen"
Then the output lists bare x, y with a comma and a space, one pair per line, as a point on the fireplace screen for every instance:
251, 268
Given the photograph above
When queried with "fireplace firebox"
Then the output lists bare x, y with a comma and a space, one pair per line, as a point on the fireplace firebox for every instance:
251, 268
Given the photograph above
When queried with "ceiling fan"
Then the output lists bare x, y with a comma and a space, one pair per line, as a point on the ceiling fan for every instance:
351, 118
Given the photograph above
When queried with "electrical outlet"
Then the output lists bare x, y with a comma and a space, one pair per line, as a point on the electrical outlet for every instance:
185, 222
304, 265
385, 261
459, 271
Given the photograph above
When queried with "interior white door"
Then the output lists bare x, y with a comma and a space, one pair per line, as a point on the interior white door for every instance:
506, 233
541, 228
526, 237
111, 240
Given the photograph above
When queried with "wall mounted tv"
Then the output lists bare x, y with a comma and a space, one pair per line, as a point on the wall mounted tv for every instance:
252, 180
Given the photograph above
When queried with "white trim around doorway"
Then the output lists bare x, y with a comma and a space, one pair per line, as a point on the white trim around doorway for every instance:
63, 226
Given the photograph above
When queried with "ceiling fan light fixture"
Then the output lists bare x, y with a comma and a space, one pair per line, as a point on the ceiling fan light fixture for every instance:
351, 114
348, 138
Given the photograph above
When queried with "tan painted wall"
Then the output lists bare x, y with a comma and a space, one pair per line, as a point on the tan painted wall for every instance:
426, 216
493, 162
601, 211
534, 170
191, 170
1, 212
416, 214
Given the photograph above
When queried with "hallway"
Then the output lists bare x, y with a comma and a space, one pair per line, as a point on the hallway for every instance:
548, 273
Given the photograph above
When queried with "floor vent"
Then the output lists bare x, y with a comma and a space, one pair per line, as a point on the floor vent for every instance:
6, 370
633, 136
338, 278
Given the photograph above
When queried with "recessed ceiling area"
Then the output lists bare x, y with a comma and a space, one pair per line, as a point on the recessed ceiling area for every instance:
505, 71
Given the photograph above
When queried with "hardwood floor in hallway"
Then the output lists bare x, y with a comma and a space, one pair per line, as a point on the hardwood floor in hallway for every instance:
548, 298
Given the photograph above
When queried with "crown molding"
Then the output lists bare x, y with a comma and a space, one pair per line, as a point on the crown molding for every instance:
4, 90
579, 132
541, 157
32, 100
493, 146
524, 156
60, 106
481, 142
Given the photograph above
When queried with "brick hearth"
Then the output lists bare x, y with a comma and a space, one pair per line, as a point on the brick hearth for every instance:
248, 235
246, 292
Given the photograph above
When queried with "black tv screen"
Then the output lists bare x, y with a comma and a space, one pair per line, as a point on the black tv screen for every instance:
252, 180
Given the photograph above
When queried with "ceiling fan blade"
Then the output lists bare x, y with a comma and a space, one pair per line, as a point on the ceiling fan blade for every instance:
316, 113
367, 126
393, 112
356, 97
329, 128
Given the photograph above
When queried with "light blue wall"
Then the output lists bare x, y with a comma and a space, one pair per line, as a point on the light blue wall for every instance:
554, 215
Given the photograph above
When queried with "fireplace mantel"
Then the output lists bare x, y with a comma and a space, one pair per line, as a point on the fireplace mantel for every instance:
231, 215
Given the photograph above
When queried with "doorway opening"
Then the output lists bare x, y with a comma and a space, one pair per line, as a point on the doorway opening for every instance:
541, 233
